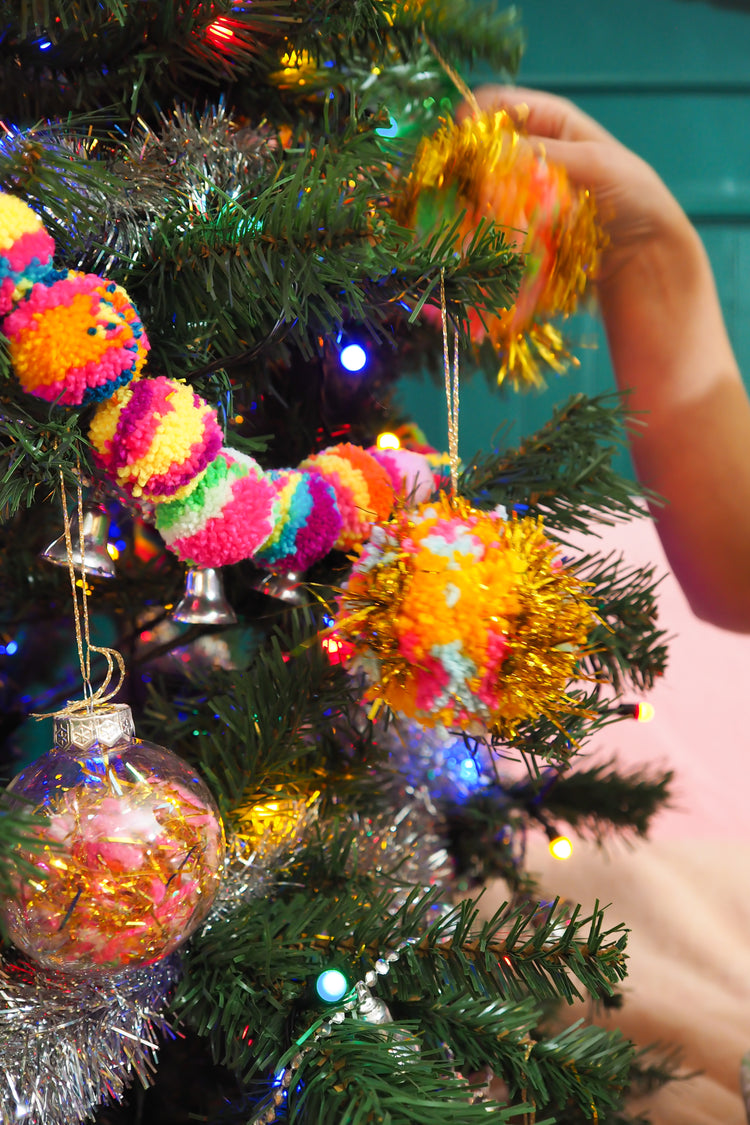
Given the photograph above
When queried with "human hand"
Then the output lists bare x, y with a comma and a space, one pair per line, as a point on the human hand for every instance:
635, 207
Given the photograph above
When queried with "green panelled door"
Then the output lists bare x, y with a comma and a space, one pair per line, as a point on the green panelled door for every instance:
671, 79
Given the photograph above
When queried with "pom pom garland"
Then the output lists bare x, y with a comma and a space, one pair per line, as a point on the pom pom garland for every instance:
363, 489
308, 525
486, 168
465, 619
26, 251
155, 438
227, 517
76, 339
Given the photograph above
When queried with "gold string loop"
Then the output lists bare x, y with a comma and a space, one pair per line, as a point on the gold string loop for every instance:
451, 387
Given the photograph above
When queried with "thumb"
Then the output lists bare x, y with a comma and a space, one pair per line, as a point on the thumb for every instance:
588, 165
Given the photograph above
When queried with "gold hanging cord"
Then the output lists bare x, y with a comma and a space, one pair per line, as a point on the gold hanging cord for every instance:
104, 692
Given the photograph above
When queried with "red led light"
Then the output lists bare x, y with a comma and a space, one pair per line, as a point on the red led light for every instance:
220, 31
338, 651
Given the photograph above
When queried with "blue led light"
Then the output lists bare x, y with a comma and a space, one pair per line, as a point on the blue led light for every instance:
353, 357
331, 985
11, 648
44, 44
391, 131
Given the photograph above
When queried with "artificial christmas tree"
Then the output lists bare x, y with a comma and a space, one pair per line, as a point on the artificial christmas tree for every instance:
220, 251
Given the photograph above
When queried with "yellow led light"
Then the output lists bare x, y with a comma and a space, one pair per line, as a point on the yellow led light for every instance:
561, 847
388, 441
645, 712
112, 551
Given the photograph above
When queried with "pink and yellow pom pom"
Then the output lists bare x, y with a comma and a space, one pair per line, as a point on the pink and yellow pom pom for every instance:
227, 517
76, 339
308, 525
465, 619
363, 489
155, 438
26, 251
410, 473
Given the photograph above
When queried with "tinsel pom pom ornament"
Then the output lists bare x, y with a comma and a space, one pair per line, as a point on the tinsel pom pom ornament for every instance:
155, 438
308, 523
227, 517
409, 471
363, 489
75, 339
488, 169
26, 251
128, 855
463, 618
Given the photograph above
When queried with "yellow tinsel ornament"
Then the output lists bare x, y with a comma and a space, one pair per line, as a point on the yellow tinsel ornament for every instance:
464, 618
488, 169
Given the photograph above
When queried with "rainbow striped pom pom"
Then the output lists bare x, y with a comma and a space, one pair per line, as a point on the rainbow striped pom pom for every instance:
155, 438
410, 473
227, 517
26, 251
465, 619
308, 525
363, 489
76, 339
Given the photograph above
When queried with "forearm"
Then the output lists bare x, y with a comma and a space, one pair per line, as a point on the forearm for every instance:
671, 352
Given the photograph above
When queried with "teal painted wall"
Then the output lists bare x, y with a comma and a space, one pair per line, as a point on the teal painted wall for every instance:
671, 79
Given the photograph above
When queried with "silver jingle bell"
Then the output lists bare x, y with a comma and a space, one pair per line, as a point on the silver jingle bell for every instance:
93, 531
285, 587
204, 601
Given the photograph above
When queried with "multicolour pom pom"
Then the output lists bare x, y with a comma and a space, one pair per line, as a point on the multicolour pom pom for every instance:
76, 339
26, 251
487, 169
227, 517
155, 438
410, 473
363, 489
308, 524
463, 618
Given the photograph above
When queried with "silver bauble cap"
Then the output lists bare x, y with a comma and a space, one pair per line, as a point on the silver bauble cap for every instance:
105, 725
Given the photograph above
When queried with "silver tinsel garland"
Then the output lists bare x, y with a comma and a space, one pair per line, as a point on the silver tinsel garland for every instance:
194, 164
70, 1044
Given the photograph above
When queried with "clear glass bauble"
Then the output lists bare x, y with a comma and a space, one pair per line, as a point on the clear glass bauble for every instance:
129, 853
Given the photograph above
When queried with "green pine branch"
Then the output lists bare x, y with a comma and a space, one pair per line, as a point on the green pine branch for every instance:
599, 798
467, 31
255, 970
627, 647
137, 58
564, 470
18, 831
557, 737
364, 1074
271, 728
33, 453
314, 250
